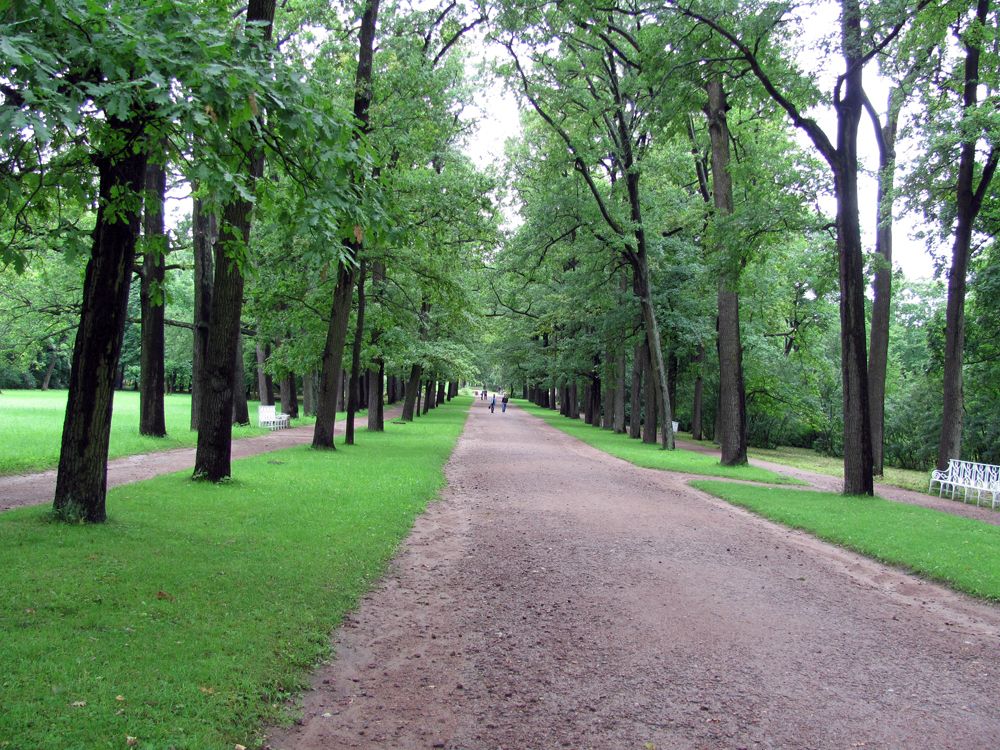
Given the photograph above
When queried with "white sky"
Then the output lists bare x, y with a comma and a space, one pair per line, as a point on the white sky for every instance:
499, 120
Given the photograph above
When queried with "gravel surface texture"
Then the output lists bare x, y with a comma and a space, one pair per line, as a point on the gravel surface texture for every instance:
556, 597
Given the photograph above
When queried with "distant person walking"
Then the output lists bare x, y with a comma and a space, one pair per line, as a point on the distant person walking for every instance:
493, 403
503, 404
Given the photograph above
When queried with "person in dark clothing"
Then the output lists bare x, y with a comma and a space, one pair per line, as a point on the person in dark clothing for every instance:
493, 403
503, 404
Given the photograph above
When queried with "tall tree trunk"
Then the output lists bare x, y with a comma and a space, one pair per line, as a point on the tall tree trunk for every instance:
290, 396
203, 235
428, 395
732, 400
699, 387
152, 348
441, 395
331, 372
213, 455
354, 394
264, 389
53, 361
649, 391
968, 200
241, 410
309, 393
618, 422
333, 353
376, 416
412, 390
635, 404
81, 480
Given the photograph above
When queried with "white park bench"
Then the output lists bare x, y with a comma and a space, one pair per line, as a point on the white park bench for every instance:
266, 417
974, 480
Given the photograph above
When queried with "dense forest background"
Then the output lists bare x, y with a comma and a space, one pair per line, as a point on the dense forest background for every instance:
674, 234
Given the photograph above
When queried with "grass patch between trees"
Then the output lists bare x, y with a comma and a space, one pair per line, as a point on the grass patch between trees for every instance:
190, 617
33, 422
651, 456
960, 552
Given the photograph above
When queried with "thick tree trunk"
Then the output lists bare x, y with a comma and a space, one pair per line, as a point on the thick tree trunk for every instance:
53, 360
635, 396
333, 353
878, 354
152, 348
354, 391
204, 234
241, 410
213, 455
428, 395
854, 356
215, 418
81, 480
331, 374
412, 390
649, 391
968, 199
618, 418
441, 393
290, 396
732, 401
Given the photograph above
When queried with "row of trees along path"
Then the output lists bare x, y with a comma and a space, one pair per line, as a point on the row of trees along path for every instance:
560, 597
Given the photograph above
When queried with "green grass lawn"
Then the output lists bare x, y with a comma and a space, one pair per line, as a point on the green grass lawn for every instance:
960, 552
651, 456
189, 618
804, 458
33, 422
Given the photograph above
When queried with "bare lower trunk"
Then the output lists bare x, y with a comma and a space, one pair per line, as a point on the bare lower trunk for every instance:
732, 435
241, 410
635, 420
152, 350
81, 480
699, 387
649, 391
376, 417
330, 383
354, 394
412, 390
204, 233
264, 394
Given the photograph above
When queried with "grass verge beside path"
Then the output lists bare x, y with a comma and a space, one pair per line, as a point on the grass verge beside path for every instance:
960, 552
189, 618
651, 456
33, 422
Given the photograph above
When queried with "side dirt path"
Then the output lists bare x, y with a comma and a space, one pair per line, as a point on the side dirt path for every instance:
827, 483
35, 489
559, 597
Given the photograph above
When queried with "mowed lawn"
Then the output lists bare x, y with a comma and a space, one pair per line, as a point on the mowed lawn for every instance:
191, 617
33, 422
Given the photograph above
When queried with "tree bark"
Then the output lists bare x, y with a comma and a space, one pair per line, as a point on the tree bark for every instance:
699, 387
732, 400
241, 410
81, 479
649, 391
969, 200
152, 348
635, 396
333, 353
376, 416
203, 235
412, 390
265, 390
354, 392
331, 374
213, 454
290, 396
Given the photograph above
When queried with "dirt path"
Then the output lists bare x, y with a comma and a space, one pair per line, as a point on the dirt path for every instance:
827, 483
558, 597
35, 489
